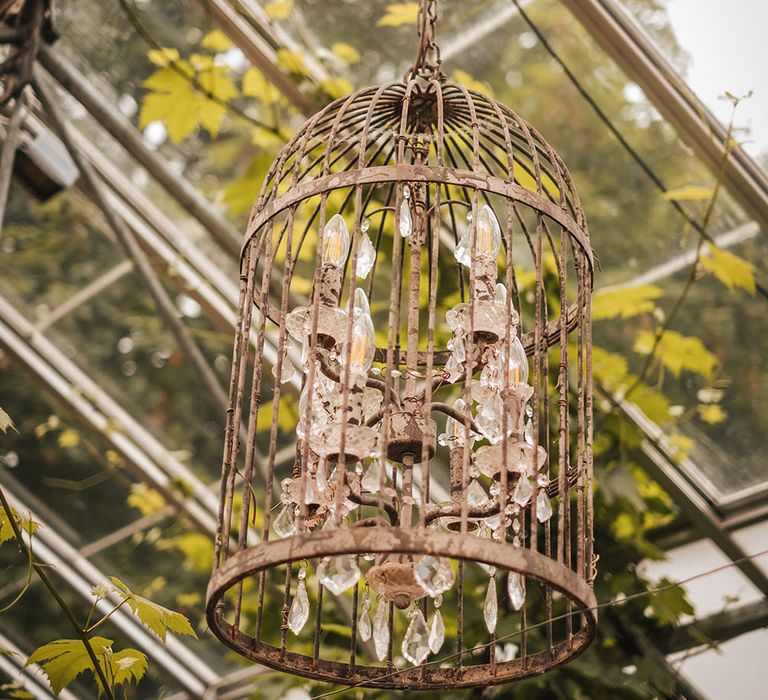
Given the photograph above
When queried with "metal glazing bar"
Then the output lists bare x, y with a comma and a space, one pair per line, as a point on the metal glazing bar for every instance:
107, 116
33, 679
638, 55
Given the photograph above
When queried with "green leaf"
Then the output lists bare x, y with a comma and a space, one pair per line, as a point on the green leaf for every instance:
6, 422
670, 605
196, 547
255, 84
279, 9
400, 13
158, 619
145, 499
217, 41
163, 56
347, 53
6, 530
65, 659
624, 301
678, 352
730, 269
239, 195
690, 193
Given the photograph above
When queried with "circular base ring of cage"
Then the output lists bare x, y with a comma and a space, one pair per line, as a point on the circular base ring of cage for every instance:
415, 541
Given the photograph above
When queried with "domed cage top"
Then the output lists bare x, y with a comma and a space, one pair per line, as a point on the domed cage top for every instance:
418, 251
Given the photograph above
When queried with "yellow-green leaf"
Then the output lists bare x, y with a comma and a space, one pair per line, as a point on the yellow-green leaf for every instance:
400, 13
730, 269
196, 547
465, 79
255, 84
292, 61
25, 524
347, 53
155, 617
162, 57
145, 499
217, 41
279, 9
336, 87
711, 413
65, 659
678, 352
690, 193
239, 195
624, 301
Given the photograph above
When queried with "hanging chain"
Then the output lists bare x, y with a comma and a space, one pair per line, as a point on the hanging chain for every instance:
428, 61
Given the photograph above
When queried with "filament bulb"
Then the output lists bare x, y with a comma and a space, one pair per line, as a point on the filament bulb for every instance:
488, 236
335, 242
518, 363
363, 344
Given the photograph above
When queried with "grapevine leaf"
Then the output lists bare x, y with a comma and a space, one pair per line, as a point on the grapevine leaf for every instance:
255, 84
196, 548
292, 61
400, 13
464, 78
730, 269
336, 87
6, 531
678, 352
624, 301
158, 619
670, 604
65, 659
690, 193
711, 413
128, 665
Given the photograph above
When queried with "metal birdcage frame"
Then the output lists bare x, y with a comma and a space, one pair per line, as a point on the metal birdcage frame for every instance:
406, 161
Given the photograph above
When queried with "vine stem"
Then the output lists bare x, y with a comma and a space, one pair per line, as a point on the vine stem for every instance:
79, 631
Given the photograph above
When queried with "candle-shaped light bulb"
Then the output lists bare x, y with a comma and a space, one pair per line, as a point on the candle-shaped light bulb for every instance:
488, 235
335, 242
517, 364
363, 344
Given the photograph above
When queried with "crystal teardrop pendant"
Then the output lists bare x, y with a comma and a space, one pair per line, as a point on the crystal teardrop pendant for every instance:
476, 495
339, 573
371, 480
299, 613
406, 222
434, 574
523, 491
364, 627
462, 250
381, 630
436, 632
543, 506
416, 641
491, 606
366, 256
516, 590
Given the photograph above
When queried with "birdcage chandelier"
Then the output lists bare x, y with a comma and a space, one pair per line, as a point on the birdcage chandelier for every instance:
406, 496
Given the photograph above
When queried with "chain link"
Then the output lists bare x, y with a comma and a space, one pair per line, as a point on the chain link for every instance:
428, 61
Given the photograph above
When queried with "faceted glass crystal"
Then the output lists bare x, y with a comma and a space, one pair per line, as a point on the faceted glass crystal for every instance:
463, 248
335, 241
476, 495
523, 491
371, 480
406, 222
543, 506
339, 573
434, 574
299, 613
516, 590
366, 256
416, 641
491, 606
284, 524
436, 632
381, 630
364, 627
